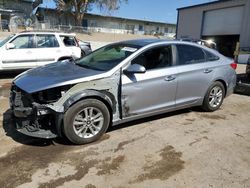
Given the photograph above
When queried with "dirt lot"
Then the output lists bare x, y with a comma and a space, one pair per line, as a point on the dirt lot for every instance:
188, 148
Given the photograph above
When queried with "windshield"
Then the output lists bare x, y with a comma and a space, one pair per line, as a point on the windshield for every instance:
107, 57
5, 40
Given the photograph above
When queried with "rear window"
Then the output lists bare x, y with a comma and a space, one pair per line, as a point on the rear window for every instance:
46, 41
210, 56
69, 40
190, 54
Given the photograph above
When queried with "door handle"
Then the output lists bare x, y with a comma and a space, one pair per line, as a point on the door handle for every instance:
170, 78
208, 71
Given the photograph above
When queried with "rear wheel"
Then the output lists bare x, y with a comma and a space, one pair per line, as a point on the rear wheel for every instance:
214, 97
86, 121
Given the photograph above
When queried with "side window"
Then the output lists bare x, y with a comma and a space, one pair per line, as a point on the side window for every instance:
69, 41
46, 41
210, 56
158, 57
190, 54
23, 41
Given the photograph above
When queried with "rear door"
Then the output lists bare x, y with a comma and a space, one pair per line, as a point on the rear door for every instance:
195, 74
47, 49
22, 56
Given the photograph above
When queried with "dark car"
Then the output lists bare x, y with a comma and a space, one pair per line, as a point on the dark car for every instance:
85, 47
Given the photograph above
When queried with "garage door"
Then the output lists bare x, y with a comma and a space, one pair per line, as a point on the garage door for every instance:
223, 21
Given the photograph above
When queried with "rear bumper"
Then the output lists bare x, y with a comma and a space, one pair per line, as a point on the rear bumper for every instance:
243, 84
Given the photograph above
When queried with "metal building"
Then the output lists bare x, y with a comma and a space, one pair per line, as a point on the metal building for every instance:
226, 22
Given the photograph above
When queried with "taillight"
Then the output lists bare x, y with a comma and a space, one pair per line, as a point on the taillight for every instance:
234, 65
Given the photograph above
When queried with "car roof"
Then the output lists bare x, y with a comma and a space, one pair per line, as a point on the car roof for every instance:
142, 42
46, 32
145, 42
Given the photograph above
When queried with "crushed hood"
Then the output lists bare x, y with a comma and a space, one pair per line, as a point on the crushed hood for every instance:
52, 75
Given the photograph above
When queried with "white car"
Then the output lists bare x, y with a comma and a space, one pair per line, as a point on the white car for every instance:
31, 49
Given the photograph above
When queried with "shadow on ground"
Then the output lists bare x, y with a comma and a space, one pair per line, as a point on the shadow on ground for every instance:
9, 128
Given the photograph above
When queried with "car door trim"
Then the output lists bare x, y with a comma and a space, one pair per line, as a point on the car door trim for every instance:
28, 60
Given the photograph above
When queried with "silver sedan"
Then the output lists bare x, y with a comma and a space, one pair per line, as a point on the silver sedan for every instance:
120, 82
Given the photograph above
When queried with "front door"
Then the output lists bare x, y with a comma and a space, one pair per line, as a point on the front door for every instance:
153, 90
22, 56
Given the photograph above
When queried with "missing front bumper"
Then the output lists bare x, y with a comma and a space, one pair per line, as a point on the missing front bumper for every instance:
38, 121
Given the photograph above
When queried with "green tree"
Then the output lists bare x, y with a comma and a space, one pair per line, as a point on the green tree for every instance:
79, 7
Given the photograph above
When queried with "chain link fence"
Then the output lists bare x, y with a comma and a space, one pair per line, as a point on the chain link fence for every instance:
17, 25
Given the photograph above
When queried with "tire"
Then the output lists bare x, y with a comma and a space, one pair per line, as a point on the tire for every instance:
80, 127
216, 92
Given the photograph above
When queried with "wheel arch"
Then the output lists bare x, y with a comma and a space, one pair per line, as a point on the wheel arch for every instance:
224, 84
88, 94
104, 96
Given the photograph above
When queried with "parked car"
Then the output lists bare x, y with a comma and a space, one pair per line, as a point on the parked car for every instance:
243, 81
248, 68
208, 43
85, 47
31, 49
117, 83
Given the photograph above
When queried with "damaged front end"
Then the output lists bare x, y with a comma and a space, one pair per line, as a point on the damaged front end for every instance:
40, 113
33, 117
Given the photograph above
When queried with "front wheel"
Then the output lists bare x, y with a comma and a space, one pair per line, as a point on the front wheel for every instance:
214, 97
86, 121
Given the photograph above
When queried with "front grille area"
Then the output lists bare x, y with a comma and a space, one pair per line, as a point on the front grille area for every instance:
27, 117
19, 98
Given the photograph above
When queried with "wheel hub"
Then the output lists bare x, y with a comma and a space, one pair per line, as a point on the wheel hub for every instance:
88, 122
215, 97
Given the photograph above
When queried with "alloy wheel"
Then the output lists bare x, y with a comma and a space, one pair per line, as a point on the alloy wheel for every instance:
88, 122
215, 96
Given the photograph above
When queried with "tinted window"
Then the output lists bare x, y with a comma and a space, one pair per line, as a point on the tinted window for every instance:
155, 58
23, 41
46, 41
107, 57
210, 56
69, 40
190, 54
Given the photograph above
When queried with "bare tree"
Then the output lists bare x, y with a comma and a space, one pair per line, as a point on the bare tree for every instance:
79, 7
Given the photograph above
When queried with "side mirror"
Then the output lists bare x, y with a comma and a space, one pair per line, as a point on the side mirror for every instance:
10, 46
135, 68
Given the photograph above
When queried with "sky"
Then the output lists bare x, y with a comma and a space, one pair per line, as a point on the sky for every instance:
153, 10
